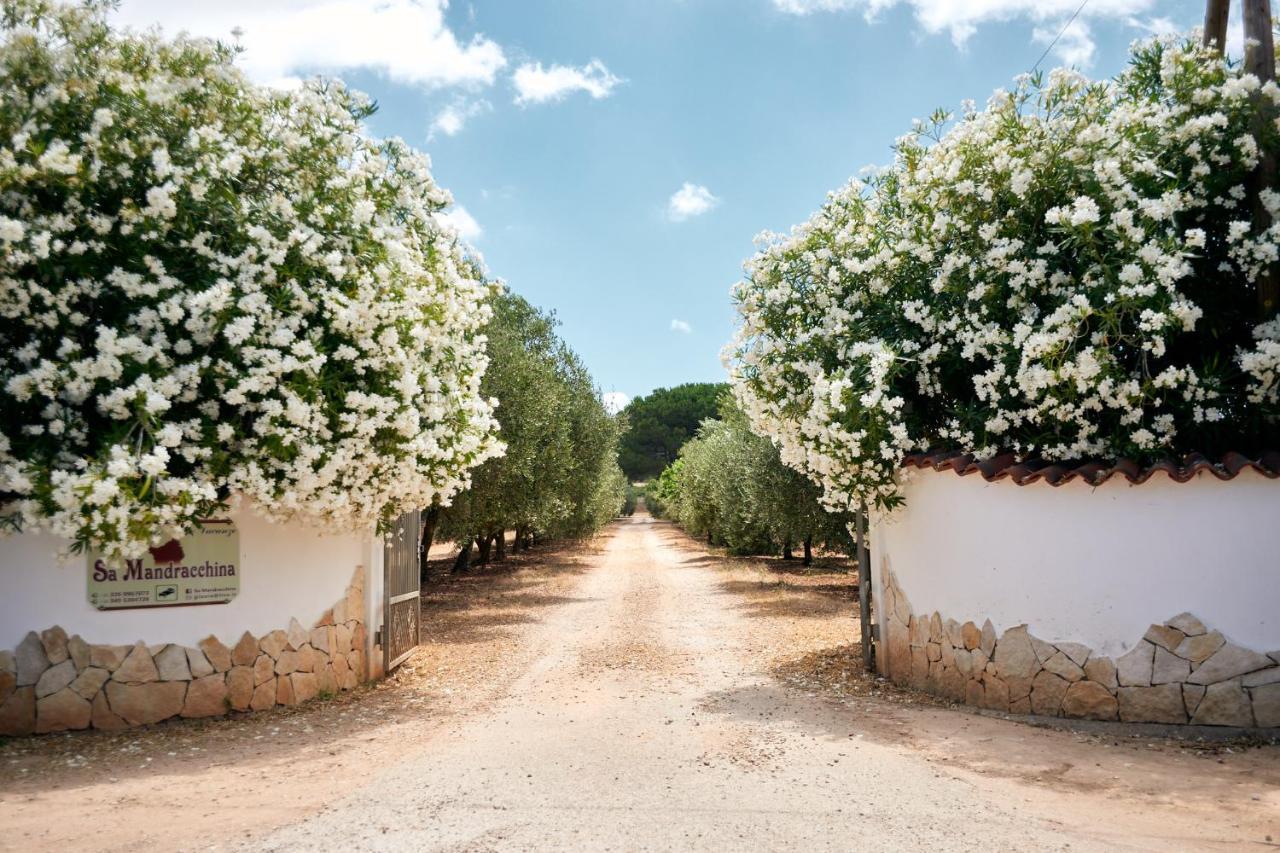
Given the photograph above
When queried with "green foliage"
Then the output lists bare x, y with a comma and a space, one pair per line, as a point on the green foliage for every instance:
659, 424
559, 476
783, 502
593, 485
631, 498
662, 494
730, 485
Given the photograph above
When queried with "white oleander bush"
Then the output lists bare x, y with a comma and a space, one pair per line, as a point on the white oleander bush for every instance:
1066, 274
210, 289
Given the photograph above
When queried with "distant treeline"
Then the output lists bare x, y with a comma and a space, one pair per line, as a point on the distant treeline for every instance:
658, 425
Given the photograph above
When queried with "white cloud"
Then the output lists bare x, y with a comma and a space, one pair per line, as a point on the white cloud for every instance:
1073, 47
451, 119
461, 222
808, 7
960, 20
407, 40
448, 121
690, 200
681, 326
535, 84
614, 401
1158, 26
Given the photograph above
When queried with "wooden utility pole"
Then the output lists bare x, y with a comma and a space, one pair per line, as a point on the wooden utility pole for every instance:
1259, 49
1260, 61
1215, 24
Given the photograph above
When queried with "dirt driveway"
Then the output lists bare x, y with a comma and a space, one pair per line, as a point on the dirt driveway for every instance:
641, 694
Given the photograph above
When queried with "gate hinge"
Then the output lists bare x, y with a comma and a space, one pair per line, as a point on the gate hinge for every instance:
377, 637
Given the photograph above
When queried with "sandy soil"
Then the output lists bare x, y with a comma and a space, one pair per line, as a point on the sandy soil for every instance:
642, 694
206, 785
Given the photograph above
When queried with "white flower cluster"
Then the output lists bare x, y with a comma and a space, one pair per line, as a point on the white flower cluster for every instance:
211, 290
1068, 274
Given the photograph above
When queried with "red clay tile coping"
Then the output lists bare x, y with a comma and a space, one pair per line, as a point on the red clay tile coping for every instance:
1007, 466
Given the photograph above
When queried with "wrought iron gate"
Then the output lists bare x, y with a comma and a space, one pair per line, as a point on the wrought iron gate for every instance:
401, 603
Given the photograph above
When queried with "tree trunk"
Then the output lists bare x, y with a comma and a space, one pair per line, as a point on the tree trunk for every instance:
1260, 60
528, 541
1215, 24
484, 544
464, 558
709, 542
786, 551
429, 521
501, 542
518, 542
808, 551
1259, 49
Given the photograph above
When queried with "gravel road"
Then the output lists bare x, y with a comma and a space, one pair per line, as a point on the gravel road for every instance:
647, 722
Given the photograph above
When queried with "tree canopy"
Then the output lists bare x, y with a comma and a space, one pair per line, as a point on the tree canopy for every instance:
731, 486
658, 425
559, 476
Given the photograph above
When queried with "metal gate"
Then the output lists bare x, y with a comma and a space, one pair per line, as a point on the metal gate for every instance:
401, 603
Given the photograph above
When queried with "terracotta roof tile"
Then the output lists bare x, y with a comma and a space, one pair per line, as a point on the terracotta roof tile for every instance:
1007, 466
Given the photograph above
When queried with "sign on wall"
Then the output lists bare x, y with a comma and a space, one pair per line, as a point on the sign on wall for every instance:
202, 568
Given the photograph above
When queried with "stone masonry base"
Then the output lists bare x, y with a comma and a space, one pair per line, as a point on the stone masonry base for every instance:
52, 682
1180, 672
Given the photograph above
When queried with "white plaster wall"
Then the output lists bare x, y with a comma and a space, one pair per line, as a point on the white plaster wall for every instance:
288, 570
1090, 565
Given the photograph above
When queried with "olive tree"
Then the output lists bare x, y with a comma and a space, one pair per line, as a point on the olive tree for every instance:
559, 476
731, 486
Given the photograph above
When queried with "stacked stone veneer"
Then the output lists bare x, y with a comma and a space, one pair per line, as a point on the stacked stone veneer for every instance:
53, 682
1179, 672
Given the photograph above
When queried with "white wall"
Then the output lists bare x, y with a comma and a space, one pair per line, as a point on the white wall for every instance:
287, 571
1090, 565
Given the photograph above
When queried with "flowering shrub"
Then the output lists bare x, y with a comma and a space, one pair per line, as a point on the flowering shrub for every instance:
211, 289
1067, 274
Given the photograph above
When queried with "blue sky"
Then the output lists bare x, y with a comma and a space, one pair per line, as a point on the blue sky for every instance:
613, 159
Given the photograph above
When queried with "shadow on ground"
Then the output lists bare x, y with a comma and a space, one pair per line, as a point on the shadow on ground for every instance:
467, 621
771, 587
